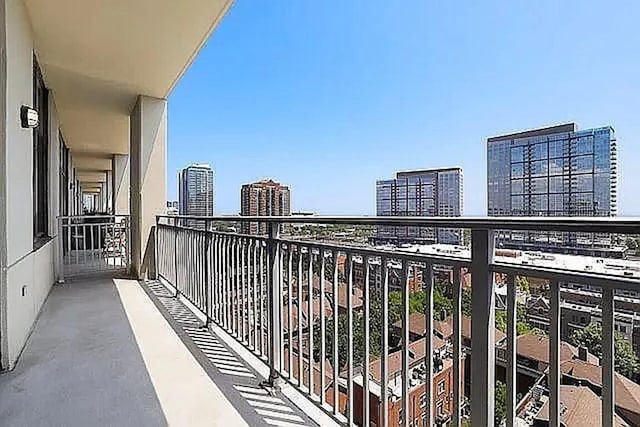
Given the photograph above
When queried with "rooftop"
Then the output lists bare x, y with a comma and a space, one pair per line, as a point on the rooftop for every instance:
549, 130
626, 391
536, 347
579, 407
613, 267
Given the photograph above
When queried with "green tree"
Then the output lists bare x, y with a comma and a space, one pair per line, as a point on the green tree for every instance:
501, 320
375, 335
501, 403
466, 301
441, 302
395, 306
626, 362
522, 284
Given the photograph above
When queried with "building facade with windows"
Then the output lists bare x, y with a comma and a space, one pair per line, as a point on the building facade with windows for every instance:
196, 195
428, 192
263, 198
100, 133
554, 171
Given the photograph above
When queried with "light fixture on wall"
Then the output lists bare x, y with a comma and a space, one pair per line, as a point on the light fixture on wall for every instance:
28, 117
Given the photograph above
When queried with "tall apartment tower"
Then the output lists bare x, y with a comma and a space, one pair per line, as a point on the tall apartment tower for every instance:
553, 171
428, 192
263, 198
196, 196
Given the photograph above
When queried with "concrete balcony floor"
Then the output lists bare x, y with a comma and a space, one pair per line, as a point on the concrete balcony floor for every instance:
110, 352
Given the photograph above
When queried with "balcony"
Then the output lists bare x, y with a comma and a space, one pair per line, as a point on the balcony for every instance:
278, 297
241, 327
164, 320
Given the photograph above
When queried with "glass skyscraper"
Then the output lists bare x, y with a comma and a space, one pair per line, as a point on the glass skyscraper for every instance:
554, 171
196, 190
429, 192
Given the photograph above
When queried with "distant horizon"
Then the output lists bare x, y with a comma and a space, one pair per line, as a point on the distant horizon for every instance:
329, 102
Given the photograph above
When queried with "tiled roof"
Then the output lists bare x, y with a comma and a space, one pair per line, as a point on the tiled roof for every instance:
445, 328
417, 349
536, 347
627, 392
580, 407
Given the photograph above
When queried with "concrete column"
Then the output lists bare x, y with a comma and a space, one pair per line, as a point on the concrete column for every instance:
109, 185
148, 127
120, 184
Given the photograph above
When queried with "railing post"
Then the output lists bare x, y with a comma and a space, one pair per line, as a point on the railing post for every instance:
482, 329
60, 251
273, 302
207, 281
175, 257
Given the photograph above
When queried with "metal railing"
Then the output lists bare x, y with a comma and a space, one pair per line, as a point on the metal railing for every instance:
294, 302
92, 244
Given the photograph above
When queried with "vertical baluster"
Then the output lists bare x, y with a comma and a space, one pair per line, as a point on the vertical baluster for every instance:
366, 418
310, 318
290, 311
255, 295
336, 394
457, 346
511, 351
428, 311
261, 289
554, 355
384, 412
236, 298
323, 325
100, 252
299, 311
243, 293
84, 245
279, 276
405, 344
206, 273
93, 245
349, 274
608, 357
226, 277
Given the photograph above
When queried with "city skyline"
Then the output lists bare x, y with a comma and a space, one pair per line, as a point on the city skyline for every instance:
400, 90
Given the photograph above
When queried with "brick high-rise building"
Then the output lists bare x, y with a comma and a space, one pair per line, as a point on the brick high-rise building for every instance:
263, 198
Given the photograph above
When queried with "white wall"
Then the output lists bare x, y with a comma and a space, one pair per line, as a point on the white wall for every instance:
30, 274
19, 141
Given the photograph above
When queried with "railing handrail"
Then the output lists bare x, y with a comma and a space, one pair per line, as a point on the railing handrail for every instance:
92, 216
623, 225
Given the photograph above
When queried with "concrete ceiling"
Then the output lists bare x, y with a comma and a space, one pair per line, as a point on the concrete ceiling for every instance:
87, 162
98, 55
85, 176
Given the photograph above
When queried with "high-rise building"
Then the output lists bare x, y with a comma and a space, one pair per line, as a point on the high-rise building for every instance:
553, 171
428, 192
196, 196
263, 198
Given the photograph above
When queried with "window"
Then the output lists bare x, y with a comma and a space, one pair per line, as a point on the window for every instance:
440, 387
440, 408
64, 178
40, 158
423, 400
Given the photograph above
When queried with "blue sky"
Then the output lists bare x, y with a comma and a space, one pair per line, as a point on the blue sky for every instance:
328, 96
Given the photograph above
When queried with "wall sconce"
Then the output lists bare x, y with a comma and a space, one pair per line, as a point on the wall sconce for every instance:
28, 117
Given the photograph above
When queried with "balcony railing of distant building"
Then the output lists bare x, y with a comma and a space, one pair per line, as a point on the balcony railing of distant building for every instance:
272, 293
